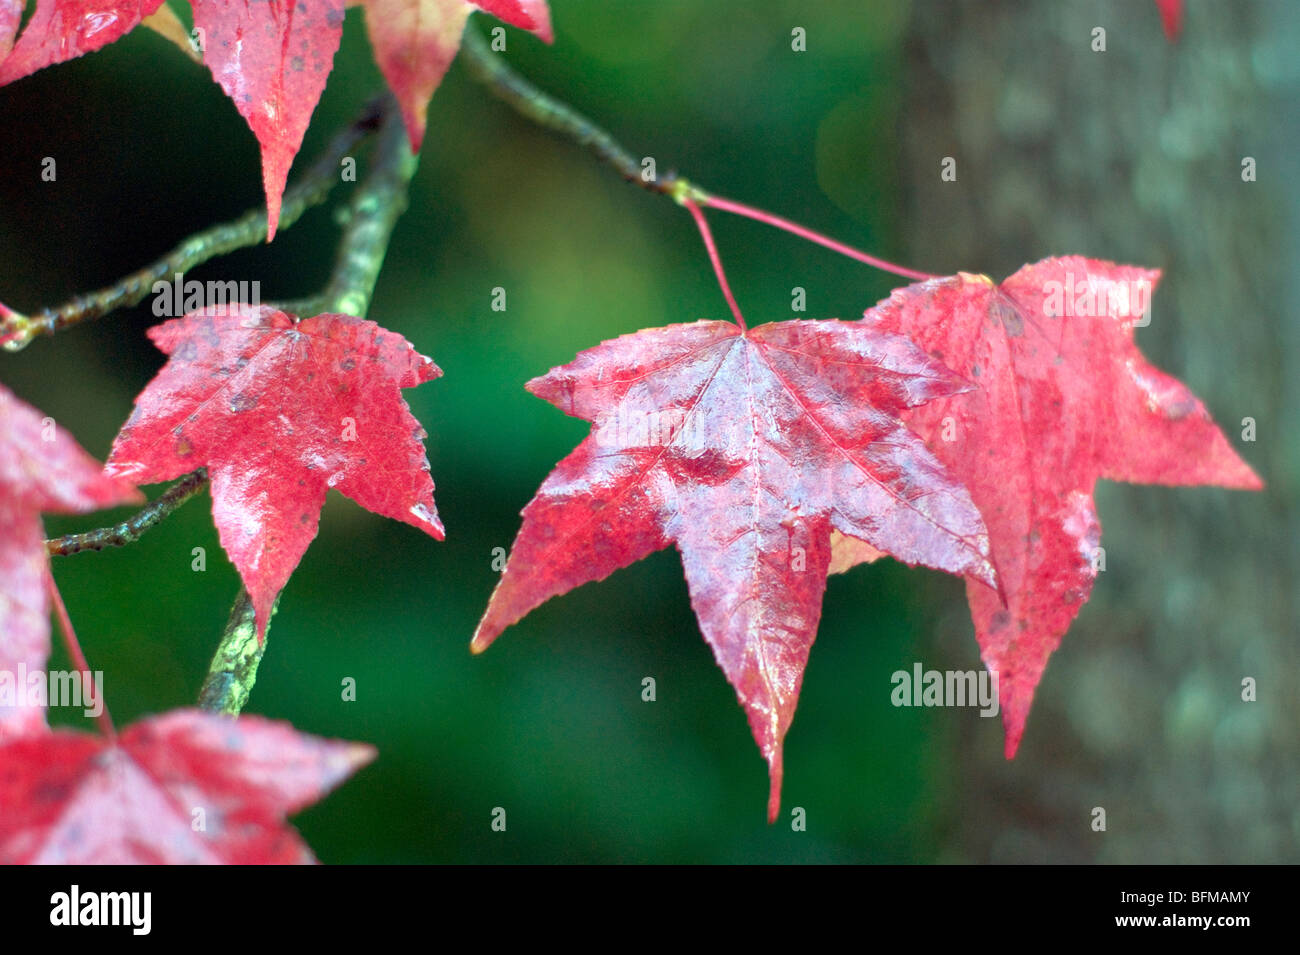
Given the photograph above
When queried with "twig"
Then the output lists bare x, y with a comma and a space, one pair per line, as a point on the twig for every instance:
131, 530
545, 110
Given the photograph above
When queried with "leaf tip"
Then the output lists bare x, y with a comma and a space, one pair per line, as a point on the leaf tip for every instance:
1171, 18
414, 118
1012, 744
481, 641
357, 755
986, 574
1248, 479
274, 177
1014, 717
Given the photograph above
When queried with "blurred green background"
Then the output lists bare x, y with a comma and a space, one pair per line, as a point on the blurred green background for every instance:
549, 723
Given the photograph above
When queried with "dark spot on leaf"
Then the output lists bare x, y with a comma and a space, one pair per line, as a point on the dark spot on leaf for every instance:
1006, 312
49, 791
709, 467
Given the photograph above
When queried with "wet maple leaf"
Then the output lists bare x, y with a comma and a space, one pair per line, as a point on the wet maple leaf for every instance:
272, 58
42, 469
186, 787
745, 449
414, 42
279, 411
1064, 397
61, 30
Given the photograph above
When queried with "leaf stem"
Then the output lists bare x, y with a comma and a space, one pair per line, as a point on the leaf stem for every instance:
17, 330
74, 650
712, 249
233, 670
545, 110
759, 215
132, 529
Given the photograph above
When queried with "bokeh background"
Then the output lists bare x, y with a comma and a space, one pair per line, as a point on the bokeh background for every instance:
1132, 155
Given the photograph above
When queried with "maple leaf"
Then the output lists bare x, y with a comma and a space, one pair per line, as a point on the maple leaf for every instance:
745, 449
272, 58
414, 42
1064, 397
61, 30
280, 410
41, 469
68, 797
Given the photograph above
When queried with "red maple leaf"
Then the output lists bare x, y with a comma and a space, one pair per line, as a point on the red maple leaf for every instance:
41, 469
273, 57
186, 787
280, 410
414, 42
61, 30
745, 449
1063, 398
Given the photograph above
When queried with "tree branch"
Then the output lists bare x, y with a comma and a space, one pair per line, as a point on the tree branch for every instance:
370, 218
17, 331
131, 530
545, 110
233, 670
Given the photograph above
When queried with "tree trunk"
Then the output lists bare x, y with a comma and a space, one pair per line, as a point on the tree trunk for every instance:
1136, 154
